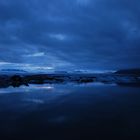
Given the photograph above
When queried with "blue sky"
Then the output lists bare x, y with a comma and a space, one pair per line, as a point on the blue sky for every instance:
70, 34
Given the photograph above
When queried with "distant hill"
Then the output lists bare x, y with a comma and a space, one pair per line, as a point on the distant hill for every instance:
61, 72
129, 71
12, 70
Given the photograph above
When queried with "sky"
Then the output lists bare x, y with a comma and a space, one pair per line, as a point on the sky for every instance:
69, 34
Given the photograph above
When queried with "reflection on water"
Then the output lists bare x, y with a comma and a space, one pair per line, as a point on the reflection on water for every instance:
25, 89
70, 111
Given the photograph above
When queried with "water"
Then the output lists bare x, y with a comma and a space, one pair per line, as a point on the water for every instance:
76, 112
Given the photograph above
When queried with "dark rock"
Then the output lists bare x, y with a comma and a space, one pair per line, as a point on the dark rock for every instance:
85, 80
129, 71
17, 81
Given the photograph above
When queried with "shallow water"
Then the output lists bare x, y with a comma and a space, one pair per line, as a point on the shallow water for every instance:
70, 111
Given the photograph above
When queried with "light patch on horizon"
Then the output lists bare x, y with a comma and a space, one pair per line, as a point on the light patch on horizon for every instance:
60, 37
23, 66
2, 63
39, 54
40, 68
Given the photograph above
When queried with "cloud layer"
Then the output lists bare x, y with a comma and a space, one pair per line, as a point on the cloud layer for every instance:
76, 34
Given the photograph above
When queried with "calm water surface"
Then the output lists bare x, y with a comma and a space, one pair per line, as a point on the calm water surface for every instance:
76, 112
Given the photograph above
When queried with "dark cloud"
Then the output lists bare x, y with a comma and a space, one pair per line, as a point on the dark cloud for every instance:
76, 34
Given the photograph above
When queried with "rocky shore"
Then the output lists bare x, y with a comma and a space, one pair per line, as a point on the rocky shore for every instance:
120, 79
